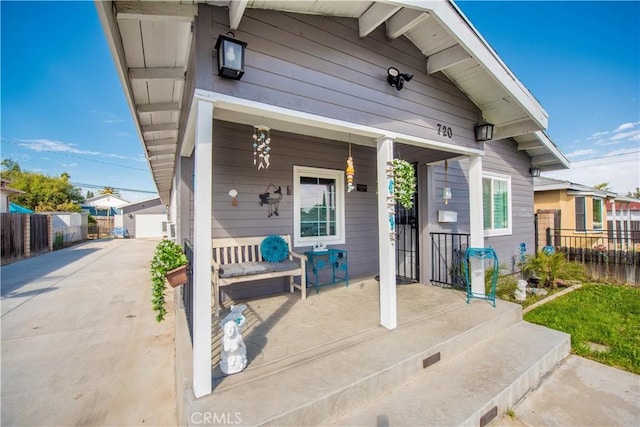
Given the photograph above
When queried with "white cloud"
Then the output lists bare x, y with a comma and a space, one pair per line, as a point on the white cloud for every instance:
123, 134
620, 168
578, 153
69, 165
47, 145
54, 146
597, 135
626, 126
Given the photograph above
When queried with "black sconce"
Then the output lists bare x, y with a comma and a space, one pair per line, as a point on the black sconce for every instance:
484, 131
396, 78
230, 57
534, 171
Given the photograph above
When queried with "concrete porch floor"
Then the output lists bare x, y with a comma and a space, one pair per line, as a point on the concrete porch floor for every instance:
282, 330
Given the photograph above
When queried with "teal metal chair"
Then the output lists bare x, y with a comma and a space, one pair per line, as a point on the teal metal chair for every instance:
483, 254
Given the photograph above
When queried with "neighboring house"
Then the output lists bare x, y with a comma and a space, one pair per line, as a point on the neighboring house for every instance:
5, 192
106, 210
319, 75
574, 210
145, 218
623, 217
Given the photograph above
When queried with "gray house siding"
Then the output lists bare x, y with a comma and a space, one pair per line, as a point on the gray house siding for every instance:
503, 157
233, 168
319, 65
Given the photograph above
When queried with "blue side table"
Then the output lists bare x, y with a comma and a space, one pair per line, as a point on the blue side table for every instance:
482, 254
331, 259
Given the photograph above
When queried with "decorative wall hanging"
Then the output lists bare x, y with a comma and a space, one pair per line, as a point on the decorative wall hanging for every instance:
405, 182
350, 172
273, 202
233, 193
391, 201
261, 147
446, 191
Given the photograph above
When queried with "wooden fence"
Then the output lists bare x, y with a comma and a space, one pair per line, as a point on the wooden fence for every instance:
24, 235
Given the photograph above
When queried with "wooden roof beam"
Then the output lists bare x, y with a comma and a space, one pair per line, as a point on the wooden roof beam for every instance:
374, 16
236, 10
161, 73
156, 11
159, 127
158, 108
404, 21
446, 58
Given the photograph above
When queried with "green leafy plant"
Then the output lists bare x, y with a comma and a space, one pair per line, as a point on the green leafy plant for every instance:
168, 255
405, 182
550, 268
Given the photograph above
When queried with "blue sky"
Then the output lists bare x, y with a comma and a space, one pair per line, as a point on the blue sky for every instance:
63, 108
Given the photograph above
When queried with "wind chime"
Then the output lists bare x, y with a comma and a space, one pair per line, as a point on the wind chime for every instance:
261, 147
350, 172
446, 191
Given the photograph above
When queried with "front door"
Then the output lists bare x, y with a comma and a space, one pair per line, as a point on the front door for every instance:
407, 248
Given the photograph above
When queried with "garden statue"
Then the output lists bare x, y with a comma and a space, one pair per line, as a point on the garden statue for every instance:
520, 293
233, 357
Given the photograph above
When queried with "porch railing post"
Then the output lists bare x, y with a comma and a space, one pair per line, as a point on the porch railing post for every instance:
202, 252
386, 235
476, 223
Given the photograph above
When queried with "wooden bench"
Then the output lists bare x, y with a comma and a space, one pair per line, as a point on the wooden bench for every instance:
239, 259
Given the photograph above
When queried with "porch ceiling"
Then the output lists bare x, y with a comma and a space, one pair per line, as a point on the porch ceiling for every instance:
150, 44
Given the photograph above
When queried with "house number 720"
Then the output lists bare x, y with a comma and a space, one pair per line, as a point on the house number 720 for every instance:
445, 131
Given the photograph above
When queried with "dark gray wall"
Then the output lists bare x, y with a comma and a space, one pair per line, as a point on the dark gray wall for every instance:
319, 65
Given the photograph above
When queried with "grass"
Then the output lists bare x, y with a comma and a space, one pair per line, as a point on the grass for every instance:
605, 315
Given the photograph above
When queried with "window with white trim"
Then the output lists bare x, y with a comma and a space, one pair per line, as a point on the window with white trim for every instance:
318, 206
496, 204
597, 214
581, 213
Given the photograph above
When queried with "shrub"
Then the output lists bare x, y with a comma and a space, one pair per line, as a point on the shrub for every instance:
168, 255
551, 267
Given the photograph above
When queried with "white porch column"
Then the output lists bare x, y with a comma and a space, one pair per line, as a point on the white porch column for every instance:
476, 223
386, 246
202, 249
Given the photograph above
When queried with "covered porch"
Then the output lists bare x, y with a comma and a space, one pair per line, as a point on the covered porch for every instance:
310, 362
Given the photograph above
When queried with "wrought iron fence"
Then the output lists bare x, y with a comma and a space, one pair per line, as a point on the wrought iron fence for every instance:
447, 258
605, 256
187, 289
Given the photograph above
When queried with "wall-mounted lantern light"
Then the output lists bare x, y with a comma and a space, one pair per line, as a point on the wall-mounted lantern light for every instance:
230, 57
534, 171
396, 79
484, 131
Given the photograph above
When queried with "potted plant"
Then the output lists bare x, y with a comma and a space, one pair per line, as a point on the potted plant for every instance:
405, 182
169, 264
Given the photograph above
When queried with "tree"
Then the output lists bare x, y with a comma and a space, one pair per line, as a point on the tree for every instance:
89, 194
110, 190
602, 186
635, 194
42, 193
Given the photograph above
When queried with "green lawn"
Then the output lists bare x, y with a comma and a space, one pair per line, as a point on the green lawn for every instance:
608, 315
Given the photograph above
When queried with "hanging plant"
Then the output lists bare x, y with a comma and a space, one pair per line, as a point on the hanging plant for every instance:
168, 256
405, 182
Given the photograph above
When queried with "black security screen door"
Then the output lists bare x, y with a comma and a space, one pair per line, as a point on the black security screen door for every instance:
407, 248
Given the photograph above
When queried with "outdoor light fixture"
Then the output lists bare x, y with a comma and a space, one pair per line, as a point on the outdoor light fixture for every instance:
230, 57
534, 171
396, 78
484, 131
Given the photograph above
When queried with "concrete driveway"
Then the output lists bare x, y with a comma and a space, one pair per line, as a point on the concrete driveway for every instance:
80, 344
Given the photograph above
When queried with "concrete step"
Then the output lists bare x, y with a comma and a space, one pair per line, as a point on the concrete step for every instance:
475, 387
326, 387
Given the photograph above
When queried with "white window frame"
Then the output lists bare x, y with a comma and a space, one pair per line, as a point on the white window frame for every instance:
603, 215
338, 176
502, 231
